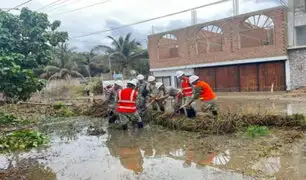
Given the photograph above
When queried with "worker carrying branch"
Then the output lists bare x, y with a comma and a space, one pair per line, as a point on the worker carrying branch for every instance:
202, 91
126, 106
142, 93
155, 94
173, 92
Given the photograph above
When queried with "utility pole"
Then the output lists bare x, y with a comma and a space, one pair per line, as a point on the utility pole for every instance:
235, 7
194, 17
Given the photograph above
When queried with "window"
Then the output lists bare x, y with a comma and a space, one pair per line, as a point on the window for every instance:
166, 80
301, 35
257, 30
210, 39
168, 46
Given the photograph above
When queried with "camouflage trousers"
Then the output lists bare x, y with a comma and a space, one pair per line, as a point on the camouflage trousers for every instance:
178, 102
158, 104
126, 118
141, 103
209, 106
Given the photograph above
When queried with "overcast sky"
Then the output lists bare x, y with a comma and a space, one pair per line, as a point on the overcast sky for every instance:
115, 13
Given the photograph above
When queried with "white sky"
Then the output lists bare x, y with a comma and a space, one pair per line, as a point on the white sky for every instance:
115, 13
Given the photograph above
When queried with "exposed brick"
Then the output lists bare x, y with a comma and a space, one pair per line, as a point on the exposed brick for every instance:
230, 50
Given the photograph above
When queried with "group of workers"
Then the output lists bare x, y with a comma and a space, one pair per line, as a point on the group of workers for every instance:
128, 104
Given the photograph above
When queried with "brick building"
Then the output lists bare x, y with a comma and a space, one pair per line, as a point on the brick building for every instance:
241, 53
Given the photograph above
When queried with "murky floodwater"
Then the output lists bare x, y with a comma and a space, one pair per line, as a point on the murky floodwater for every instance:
152, 153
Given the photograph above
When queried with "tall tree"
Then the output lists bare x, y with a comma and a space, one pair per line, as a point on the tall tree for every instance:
124, 51
26, 42
63, 66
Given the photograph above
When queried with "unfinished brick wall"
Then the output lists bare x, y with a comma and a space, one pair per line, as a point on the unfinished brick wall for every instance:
195, 50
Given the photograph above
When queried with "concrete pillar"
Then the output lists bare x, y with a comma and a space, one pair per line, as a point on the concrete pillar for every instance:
291, 23
235, 7
287, 75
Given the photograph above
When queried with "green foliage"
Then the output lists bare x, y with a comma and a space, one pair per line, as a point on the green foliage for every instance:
62, 67
58, 105
124, 51
22, 140
11, 120
17, 83
7, 119
64, 112
96, 87
25, 44
255, 131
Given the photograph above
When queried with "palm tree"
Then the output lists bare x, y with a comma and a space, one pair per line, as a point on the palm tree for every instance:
124, 50
63, 66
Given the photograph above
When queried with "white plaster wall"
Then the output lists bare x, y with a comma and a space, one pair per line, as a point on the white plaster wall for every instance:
172, 74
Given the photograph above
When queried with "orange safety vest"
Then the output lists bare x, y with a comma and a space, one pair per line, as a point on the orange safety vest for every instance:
127, 101
186, 87
207, 93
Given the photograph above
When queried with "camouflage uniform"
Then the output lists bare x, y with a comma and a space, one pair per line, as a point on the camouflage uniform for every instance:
110, 98
206, 106
142, 95
125, 118
157, 93
176, 94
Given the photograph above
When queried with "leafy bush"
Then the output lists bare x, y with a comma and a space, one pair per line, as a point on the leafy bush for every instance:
6, 119
22, 140
255, 131
58, 105
64, 112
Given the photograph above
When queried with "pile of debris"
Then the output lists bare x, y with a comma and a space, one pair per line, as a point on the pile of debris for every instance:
228, 123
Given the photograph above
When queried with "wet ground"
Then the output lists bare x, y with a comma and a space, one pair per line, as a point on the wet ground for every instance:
155, 153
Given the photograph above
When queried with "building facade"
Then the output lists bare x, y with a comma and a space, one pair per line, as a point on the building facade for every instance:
297, 42
242, 53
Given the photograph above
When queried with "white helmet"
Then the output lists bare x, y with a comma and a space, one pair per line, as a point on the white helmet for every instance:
193, 78
179, 73
136, 80
133, 81
140, 77
151, 78
106, 84
159, 84
119, 83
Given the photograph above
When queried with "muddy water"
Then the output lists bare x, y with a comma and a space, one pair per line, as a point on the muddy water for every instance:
155, 153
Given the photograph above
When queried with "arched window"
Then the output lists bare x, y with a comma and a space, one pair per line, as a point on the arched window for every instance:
210, 39
168, 46
257, 30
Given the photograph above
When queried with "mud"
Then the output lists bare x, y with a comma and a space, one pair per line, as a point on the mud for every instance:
155, 153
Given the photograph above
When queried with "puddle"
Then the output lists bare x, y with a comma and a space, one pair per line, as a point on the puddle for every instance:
152, 153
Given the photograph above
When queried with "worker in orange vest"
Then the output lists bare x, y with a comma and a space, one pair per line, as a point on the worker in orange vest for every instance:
126, 105
203, 91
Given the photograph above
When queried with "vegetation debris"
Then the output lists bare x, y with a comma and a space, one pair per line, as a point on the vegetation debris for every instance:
229, 122
22, 140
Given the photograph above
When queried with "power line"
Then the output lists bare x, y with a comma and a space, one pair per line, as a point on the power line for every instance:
50, 4
155, 18
62, 4
91, 5
16, 7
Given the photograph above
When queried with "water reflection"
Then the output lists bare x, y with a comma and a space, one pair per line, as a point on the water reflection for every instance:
26, 169
153, 153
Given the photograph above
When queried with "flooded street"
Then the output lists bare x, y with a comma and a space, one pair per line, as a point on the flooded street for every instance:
155, 153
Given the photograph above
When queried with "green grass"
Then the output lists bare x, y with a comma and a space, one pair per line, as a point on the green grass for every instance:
256, 131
